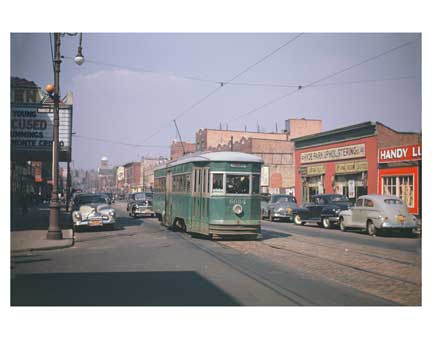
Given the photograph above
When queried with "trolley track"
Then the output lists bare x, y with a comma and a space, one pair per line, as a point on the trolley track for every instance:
288, 294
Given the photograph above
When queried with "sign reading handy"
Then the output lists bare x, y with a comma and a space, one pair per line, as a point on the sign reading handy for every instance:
32, 128
337, 153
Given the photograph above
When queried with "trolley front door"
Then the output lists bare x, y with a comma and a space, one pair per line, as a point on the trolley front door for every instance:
168, 200
197, 199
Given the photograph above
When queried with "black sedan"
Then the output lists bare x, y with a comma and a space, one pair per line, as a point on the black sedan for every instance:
323, 209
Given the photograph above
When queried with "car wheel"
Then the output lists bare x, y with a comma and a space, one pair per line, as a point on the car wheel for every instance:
371, 230
325, 222
298, 220
342, 225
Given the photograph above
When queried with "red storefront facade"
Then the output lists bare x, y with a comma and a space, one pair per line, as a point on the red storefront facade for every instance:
399, 173
346, 161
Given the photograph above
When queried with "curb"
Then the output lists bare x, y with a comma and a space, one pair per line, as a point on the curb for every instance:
48, 248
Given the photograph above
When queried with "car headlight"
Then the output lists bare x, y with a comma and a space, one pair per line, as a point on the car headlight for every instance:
77, 215
238, 209
280, 209
111, 213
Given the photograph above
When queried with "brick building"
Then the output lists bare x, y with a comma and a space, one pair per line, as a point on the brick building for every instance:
177, 150
147, 171
347, 161
276, 150
132, 177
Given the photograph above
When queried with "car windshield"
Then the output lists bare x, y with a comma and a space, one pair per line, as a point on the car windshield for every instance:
143, 196
393, 201
338, 198
91, 199
283, 198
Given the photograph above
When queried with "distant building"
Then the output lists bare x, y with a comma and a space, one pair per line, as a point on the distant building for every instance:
147, 171
106, 180
132, 172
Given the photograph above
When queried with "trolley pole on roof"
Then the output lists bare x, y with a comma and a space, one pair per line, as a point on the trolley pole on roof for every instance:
181, 141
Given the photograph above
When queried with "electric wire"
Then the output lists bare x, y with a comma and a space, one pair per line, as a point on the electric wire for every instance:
118, 142
221, 85
301, 87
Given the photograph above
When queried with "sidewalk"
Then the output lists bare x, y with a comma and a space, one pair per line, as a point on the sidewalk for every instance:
28, 232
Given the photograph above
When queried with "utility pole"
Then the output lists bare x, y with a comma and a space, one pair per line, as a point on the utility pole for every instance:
54, 231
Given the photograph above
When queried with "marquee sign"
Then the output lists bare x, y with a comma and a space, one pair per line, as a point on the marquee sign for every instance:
400, 153
337, 153
32, 128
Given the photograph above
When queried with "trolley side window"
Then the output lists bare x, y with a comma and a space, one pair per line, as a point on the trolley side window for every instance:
217, 184
237, 184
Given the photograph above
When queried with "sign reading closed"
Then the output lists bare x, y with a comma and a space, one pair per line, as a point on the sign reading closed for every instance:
337, 153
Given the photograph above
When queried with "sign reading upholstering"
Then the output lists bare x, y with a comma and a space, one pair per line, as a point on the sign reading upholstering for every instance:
337, 153
352, 167
32, 128
400, 153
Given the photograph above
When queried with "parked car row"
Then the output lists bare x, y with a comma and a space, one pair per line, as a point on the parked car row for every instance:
371, 213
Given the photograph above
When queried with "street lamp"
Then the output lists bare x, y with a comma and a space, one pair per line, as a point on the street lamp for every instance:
54, 231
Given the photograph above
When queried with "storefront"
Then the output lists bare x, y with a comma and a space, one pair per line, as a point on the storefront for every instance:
347, 161
399, 174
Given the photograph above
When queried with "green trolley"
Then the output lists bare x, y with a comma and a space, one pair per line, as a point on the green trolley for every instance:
212, 193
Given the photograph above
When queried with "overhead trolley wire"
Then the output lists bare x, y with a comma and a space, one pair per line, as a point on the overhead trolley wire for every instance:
315, 82
221, 84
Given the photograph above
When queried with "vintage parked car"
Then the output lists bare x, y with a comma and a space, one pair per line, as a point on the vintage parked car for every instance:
92, 210
280, 206
323, 209
140, 204
375, 213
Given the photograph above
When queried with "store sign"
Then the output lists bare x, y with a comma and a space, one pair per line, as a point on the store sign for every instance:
352, 167
400, 153
315, 170
265, 171
351, 189
32, 128
337, 153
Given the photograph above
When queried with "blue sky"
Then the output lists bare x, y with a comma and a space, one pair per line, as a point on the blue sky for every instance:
144, 87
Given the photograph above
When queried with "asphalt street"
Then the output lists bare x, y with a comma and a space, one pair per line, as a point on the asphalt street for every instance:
141, 263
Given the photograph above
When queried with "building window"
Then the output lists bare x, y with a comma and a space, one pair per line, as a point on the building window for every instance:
400, 186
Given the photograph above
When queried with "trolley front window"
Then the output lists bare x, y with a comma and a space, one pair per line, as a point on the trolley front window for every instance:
237, 184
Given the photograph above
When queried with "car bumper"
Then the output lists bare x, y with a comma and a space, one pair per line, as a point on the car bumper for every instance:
282, 215
389, 225
91, 223
143, 211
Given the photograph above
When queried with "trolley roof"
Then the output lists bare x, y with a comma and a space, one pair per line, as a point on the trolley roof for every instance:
213, 156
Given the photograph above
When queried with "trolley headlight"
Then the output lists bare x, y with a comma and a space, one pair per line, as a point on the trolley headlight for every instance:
77, 215
238, 209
